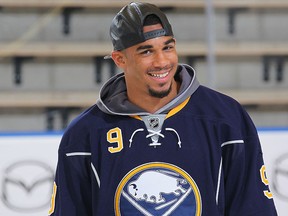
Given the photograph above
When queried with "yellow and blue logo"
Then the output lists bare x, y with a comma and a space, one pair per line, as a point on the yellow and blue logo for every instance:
157, 189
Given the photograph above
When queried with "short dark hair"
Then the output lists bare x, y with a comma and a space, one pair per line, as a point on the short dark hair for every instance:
151, 20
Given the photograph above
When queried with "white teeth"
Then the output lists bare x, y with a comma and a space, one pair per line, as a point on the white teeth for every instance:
160, 75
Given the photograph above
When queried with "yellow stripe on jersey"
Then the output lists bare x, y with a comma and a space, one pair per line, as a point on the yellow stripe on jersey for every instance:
52, 207
171, 112
178, 108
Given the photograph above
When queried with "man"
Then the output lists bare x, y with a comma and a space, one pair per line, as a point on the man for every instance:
157, 142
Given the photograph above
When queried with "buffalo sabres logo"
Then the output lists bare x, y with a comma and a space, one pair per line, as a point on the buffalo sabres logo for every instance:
154, 122
157, 189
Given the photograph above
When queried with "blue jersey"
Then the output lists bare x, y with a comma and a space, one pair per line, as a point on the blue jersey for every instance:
202, 157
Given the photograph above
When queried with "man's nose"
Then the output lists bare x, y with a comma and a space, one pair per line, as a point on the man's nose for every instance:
160, 60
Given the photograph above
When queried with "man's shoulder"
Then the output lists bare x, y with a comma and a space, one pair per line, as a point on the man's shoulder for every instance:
215, 97
212, 104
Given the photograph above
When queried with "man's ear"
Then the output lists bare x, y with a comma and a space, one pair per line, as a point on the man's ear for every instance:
119, 58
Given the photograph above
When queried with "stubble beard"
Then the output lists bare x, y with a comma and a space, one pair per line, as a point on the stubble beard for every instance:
164, 93
160, 94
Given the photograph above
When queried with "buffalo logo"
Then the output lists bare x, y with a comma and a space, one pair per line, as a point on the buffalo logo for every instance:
280, 177
154, 122
27, 185
157, 189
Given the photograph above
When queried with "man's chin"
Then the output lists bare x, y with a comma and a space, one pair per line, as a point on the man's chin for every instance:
160, 94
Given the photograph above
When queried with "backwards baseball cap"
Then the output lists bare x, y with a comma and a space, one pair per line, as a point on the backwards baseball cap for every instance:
126, 29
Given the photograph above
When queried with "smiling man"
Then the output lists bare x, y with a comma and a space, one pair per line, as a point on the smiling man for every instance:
150, 65
157, 142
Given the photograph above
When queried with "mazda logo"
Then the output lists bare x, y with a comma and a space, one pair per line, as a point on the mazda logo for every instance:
280, 176
27, 185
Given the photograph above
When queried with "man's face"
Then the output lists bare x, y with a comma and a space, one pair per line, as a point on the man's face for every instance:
150, 66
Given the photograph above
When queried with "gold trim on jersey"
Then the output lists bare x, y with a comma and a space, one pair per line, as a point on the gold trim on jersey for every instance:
171, 112
177, 108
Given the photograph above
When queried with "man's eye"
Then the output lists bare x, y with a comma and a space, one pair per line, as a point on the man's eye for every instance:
146, 52
168, 47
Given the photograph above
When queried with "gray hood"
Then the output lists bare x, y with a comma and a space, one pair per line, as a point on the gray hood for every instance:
113, 95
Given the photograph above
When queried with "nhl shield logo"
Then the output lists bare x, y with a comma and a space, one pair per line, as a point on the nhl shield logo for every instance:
154, 122
157, 189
